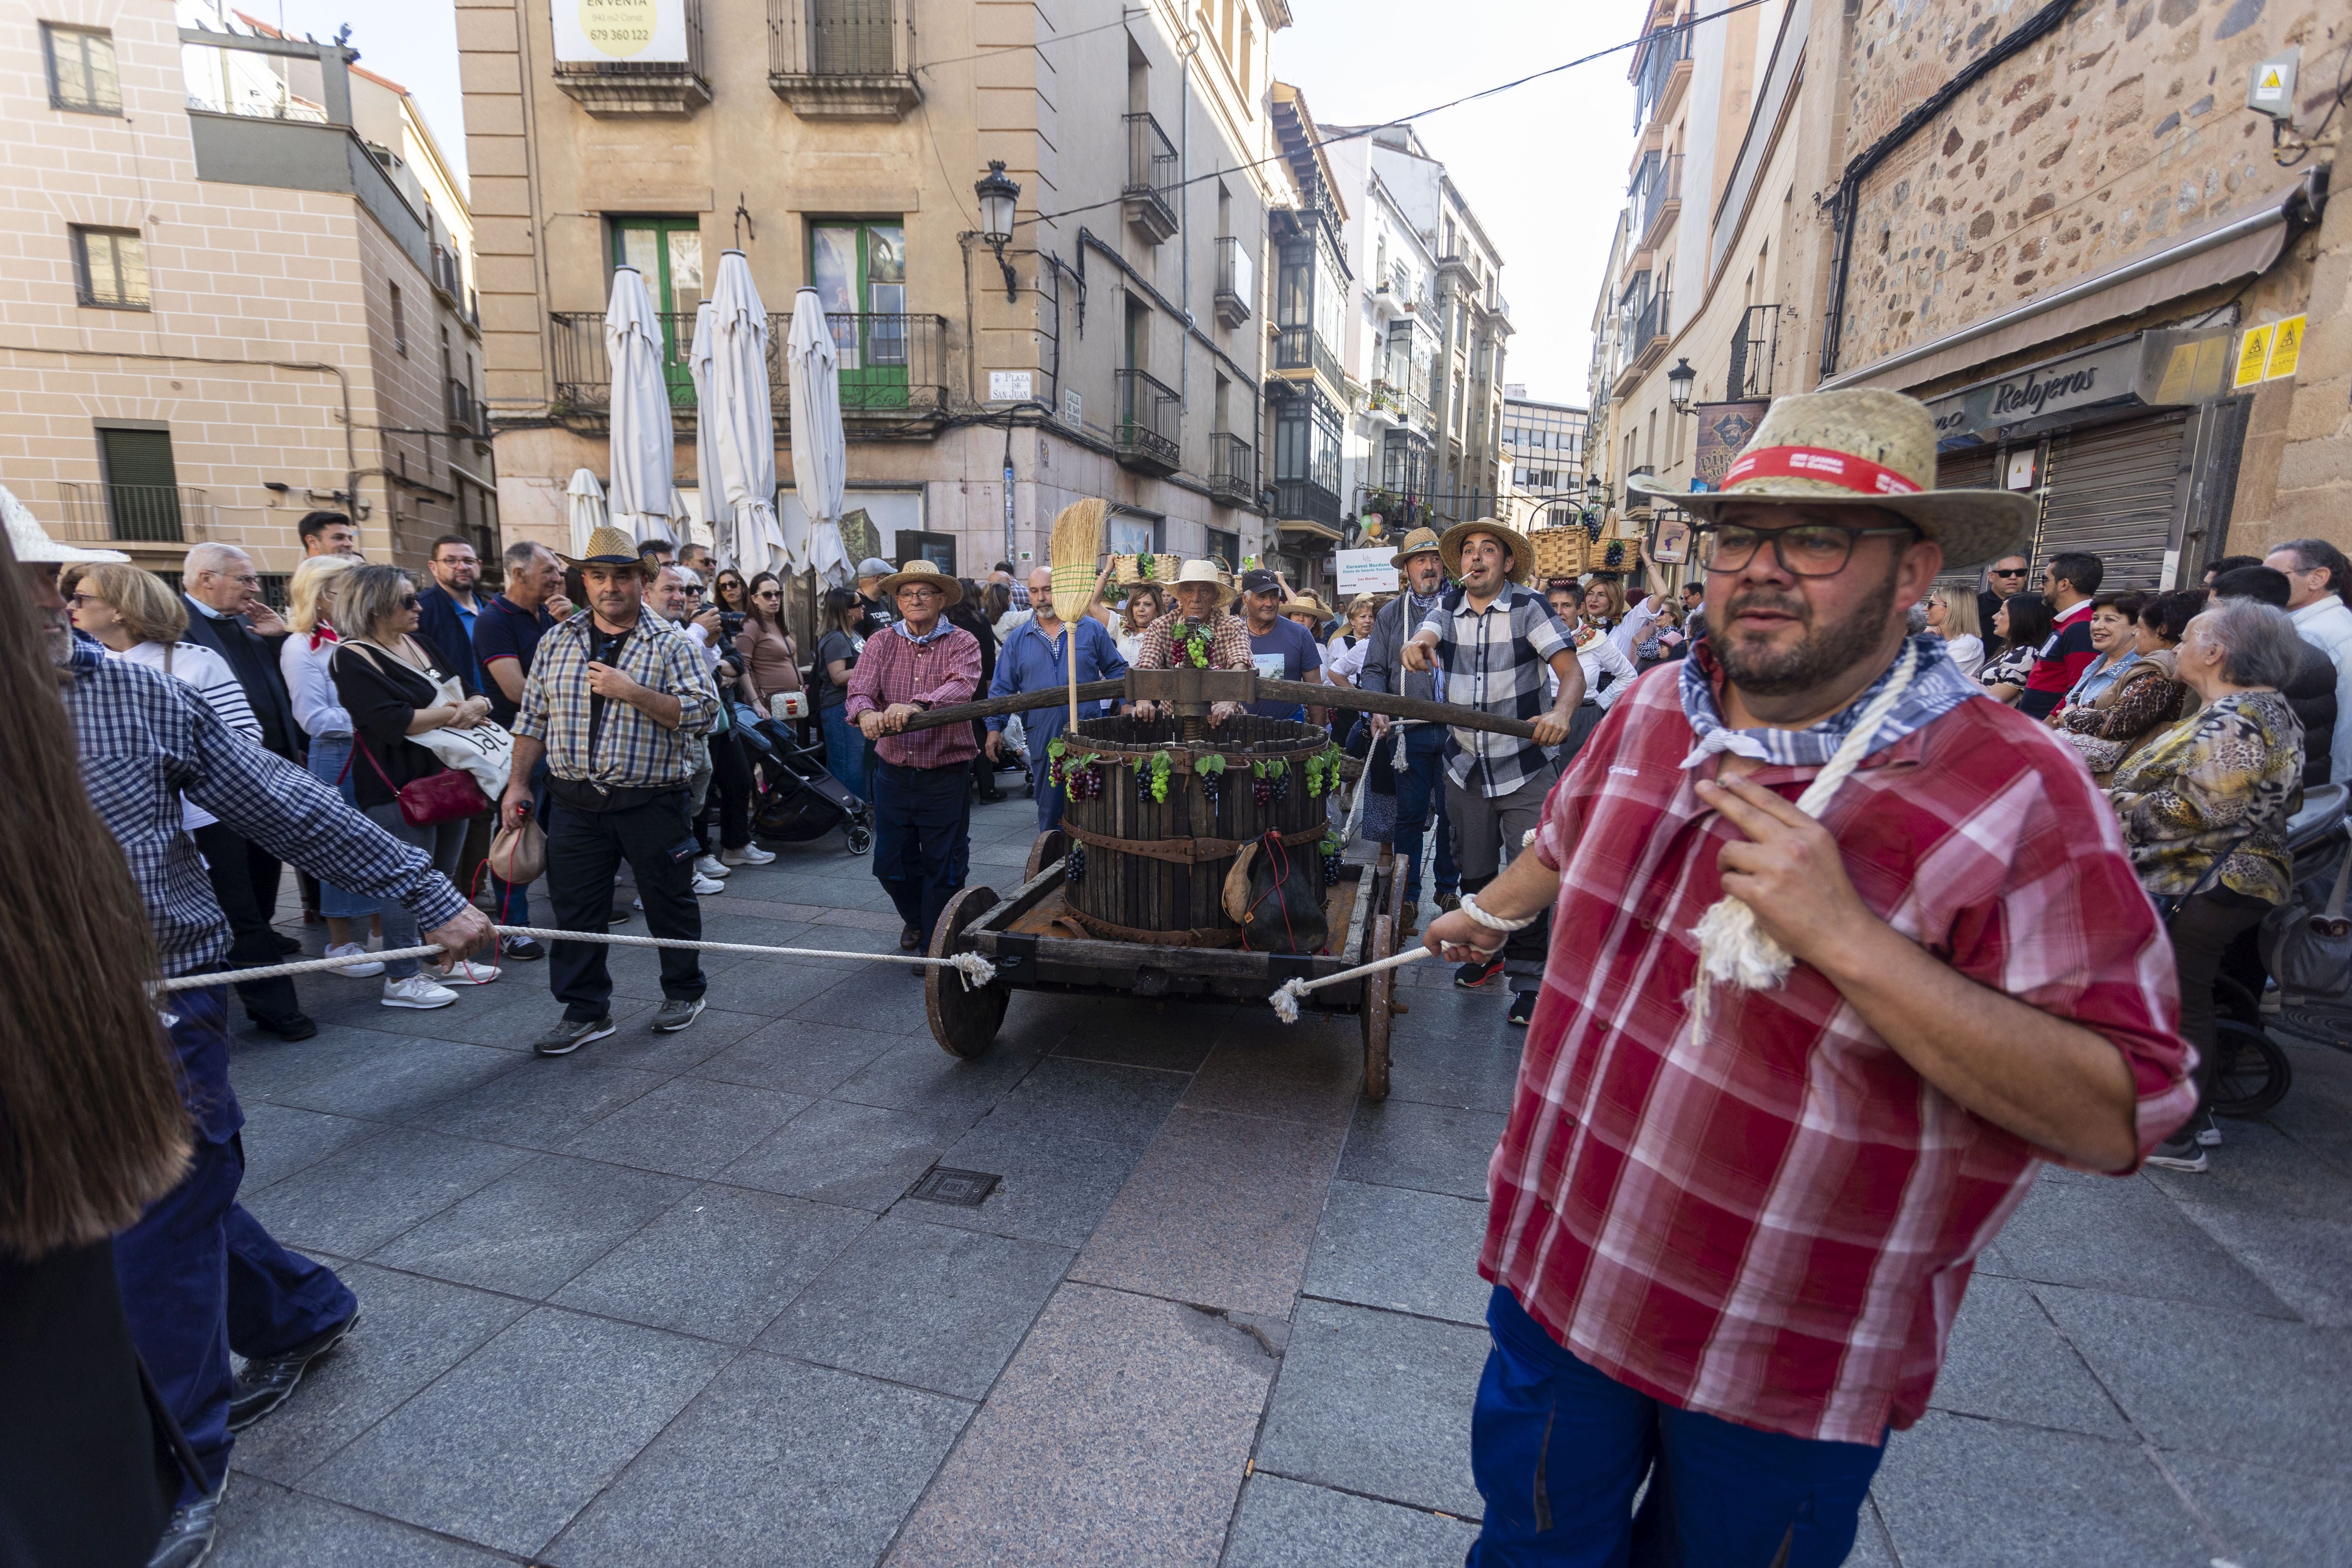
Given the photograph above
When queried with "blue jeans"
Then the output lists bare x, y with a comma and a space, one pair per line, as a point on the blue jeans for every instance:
922, 837
1558, 1450
442, 843
845, 751
1049, 799
1425, 748
330, 762
200, 1278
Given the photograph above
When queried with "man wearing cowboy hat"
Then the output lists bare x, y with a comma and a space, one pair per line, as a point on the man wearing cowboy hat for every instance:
1200, 633
614, 703
921, 784
1418, 776
1841, 952
1496, 637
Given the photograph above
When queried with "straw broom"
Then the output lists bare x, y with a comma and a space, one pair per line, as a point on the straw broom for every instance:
1076, 559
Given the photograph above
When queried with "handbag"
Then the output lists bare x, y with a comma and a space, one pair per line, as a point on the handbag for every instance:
518, 854
445, 796
2311, 954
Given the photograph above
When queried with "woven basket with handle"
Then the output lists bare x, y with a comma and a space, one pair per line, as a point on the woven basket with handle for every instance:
1560, 552
1132, 570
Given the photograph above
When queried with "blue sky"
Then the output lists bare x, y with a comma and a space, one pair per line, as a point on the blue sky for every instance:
1543, 165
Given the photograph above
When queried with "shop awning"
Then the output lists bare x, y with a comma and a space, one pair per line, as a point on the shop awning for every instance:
1309, 527
2241, 245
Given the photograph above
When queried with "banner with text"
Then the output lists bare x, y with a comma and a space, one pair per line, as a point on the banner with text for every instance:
612, 32
1365, 572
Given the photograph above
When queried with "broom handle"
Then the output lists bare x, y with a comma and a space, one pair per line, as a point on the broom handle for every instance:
1070, 648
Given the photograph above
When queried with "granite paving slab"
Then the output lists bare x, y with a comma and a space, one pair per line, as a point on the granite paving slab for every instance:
1219, 1212
1376, 1404
862, 1156
411, 1330
931, 1305
774, 1465
918, 1076
1119, 1030
280, 1140
269, 1526
1309, 1072
1055, 1189
535, 1227
2005, 1358
1408, 1251
798, 1057
2284, 1215
2102, 1233
407, 1078
354, 1202
1286, 1525
1101, 1100
262, 1067
680, 1050
2266, 1516
1960, 1492
508, 1447
544, 1104
1450, 1051
687, 1127
2246, 1387
1117, 1437
720, 1264
1429, 1148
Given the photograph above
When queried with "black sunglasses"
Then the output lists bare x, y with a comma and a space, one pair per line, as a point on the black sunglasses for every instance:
2006, 571
409, 601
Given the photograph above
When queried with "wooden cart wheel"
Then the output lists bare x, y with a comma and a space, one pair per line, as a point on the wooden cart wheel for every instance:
965, 1021
1373, 1016
1051, 845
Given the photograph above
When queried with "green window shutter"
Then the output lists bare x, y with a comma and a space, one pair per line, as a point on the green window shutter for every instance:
142, 494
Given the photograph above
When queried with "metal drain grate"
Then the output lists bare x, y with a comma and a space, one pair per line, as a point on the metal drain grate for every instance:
2329, 1025
964, 1189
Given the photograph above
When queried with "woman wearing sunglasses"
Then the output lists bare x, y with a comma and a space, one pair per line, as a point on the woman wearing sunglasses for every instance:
726, 591
771, 662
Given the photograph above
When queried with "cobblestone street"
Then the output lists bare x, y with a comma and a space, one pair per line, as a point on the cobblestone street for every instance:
665, 1302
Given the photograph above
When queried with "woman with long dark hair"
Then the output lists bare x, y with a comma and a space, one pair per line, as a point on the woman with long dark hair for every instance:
838, 649
728, 592
92, 1132
771, 662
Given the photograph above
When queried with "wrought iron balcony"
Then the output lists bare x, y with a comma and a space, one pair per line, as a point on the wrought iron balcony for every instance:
1150, 196
642, 87
892, 363
463, 411
1237, 280
1149, 437
1301, 348
1666, 51
842, 59
139, 514
1232, 470
1656, 194
1754, 346
1304, 501
449, 276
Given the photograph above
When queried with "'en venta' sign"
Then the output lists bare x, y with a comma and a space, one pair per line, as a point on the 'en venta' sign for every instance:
606, 32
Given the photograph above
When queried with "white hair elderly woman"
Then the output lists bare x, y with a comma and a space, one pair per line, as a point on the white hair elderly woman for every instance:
2204, 809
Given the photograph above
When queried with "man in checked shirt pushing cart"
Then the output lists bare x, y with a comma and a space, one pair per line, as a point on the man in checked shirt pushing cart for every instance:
1736, 1202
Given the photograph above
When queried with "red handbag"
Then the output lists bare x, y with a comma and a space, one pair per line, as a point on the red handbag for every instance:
448, 795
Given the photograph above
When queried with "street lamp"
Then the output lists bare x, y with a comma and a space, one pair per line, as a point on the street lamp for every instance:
998, 198
1679, 382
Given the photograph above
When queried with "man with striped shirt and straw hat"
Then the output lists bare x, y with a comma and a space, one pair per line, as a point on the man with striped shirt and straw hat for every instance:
1841, 952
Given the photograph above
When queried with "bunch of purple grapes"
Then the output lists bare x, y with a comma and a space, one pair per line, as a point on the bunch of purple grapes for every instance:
1332, 863
1075, 870
1281, 783
1262, 790
1143, 782
1084, 783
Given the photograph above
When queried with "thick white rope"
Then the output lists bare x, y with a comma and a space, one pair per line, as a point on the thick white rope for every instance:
1732, 948
976, 970
1285, 1001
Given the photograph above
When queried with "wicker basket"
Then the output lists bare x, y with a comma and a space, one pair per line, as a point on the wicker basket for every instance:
1560, 552
1132, 570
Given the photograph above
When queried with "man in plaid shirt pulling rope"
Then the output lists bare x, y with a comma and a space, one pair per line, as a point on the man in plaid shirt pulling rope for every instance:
1841, 952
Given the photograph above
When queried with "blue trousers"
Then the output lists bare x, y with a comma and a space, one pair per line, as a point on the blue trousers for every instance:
845, 751
922, 837
1049, 800
200, 1278
1424, 778
1558, 1450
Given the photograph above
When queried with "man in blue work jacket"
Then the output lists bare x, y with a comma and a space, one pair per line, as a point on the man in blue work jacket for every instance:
1035, 657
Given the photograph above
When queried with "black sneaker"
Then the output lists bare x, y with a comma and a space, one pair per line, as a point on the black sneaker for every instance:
1523, 1008
189, 1538
1476, 973
571, 1034
1449, 899
672, 1017
286, 943
619, 917
265, 1383
521, 949
910, 940
293, 1026
2182, 1151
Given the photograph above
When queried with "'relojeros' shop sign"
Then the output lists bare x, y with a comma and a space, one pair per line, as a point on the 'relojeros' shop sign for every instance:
2153, 368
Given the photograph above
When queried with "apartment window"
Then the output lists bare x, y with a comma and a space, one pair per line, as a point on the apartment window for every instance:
110, 269
1223, 546
82, 70
143, 486
1242, 62
399, 323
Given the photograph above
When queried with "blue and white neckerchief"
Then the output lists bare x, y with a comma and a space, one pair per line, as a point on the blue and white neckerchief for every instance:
1937, 687
940, 628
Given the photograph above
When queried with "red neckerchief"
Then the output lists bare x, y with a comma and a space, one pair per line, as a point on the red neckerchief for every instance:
323, 633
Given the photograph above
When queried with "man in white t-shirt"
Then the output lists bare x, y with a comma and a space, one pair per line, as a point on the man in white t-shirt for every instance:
2318, 577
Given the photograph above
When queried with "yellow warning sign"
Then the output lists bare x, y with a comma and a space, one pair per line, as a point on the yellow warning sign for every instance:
2254, 355
2286, 349
2271, 79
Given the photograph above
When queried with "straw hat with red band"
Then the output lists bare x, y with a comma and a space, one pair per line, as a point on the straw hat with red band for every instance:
1865, 447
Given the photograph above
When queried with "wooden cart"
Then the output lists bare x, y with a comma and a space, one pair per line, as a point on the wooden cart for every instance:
1036, 941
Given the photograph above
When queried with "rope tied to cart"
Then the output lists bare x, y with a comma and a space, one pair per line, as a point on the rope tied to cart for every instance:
975, 969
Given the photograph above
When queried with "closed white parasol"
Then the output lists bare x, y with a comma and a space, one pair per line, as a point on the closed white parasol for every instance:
584, 503
820, 456
730, 363
642, 480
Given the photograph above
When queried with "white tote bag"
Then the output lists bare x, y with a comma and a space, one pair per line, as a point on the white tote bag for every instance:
485, 751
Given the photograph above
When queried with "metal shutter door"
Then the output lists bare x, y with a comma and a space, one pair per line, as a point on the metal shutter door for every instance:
2114, 492
1971, 469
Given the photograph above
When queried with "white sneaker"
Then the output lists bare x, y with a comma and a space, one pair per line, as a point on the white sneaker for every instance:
469, 972
750, 855
713, 867
417, 990
356, 970
706, 885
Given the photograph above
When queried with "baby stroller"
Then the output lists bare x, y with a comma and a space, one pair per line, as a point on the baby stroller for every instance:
2255, 1073
796, 799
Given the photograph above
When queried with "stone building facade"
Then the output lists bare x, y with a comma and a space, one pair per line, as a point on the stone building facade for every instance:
1118, 348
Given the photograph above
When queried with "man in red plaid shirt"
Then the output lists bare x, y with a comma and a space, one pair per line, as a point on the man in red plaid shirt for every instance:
1756, 1150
